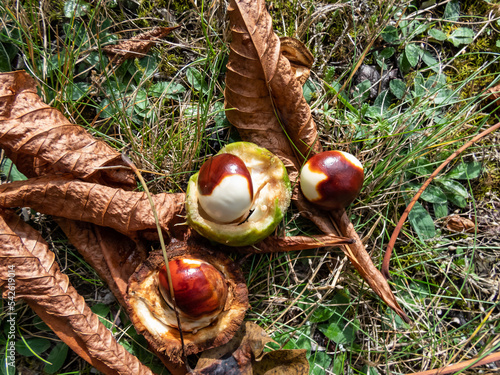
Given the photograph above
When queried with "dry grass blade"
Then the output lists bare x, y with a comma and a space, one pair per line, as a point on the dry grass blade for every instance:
394, 236
48, 291
461, 365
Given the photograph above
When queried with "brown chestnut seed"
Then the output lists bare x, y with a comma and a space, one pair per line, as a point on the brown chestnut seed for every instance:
199, 288
225, 188
332, 179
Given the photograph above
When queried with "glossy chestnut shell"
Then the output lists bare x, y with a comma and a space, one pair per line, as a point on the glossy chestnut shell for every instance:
225, 188
332, 179
199, 288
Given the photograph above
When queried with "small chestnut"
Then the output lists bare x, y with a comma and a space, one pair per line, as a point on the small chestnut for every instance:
332, 179
225, 188
199, 288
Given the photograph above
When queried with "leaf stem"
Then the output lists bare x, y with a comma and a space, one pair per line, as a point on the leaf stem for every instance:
130, 164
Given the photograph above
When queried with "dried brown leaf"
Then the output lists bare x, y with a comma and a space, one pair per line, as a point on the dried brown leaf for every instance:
301, 59
40, 283
266, 104
456, 223
244, 355
263, 98
41, 140
295, 243
283, 362
112, 255
125, 211
137, 46
361, 260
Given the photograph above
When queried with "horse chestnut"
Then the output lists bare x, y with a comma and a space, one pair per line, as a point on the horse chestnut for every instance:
239, 196
332, 179
225, 188
199, 288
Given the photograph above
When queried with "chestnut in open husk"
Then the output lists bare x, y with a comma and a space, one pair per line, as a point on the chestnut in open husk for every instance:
223, 181
198, 274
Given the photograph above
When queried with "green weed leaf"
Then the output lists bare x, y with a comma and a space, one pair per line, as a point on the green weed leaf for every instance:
5, 368
362, 91
321, 314
455, 192
77, 91
319, 362
171, 90
338, 328
309, 91
102, 311
196, 80
465, 171
339, 331
398, 88
10, 171
452, 11
418, 85
368, 370
437, 34
462, 35
431, 194
32, 346
422, 222
430, 61
57, 357
387, 53
390, 34
440, 210
412, 53
75, 8
141, 101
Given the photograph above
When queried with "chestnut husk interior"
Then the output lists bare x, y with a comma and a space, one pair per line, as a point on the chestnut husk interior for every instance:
218, 332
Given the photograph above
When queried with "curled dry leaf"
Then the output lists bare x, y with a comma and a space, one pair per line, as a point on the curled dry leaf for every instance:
112, 255
260, 84
125, 211
244, 355
137, 46
456, 223
265, 103
41, 140
301, 59
48, 292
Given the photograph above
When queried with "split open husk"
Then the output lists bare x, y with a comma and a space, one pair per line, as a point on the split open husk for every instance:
149, 311
272, 198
